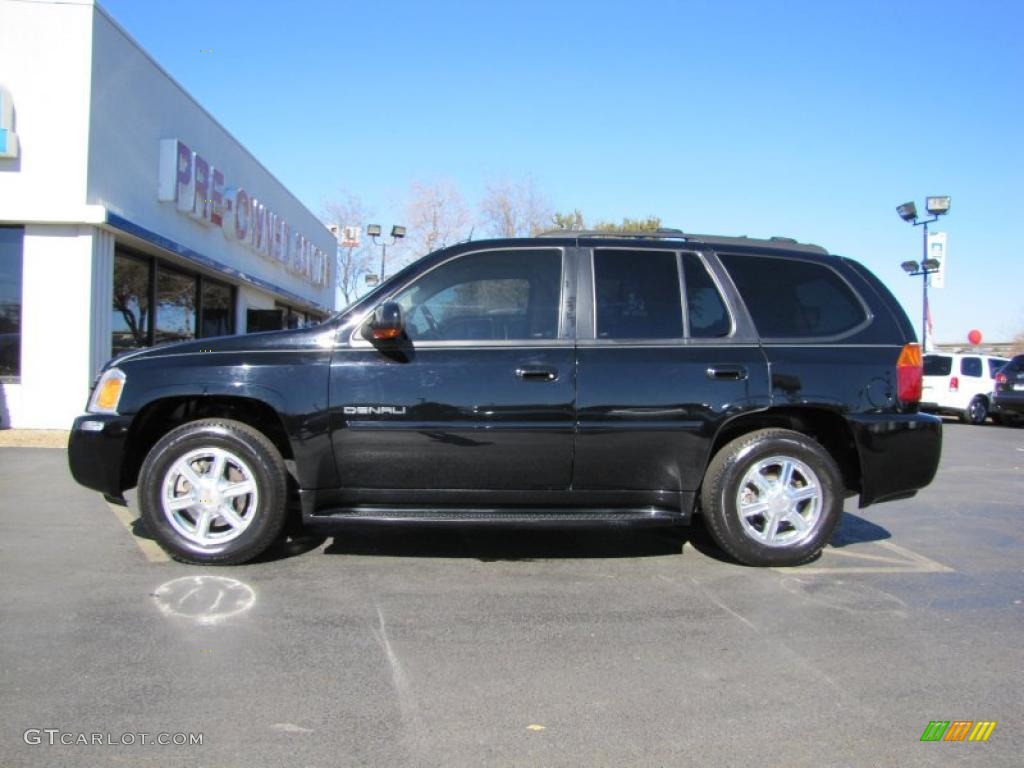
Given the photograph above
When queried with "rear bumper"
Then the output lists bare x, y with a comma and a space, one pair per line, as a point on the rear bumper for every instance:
899, 453
96, 450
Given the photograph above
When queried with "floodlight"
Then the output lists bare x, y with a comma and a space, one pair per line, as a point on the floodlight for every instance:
907, 211
373, 230
937, 206
910, 267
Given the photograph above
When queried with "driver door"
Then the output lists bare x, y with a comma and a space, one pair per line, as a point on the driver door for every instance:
479, 395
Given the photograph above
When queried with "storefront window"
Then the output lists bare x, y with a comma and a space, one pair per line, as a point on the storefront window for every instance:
11, 239
131, 304
175, 307
218, 309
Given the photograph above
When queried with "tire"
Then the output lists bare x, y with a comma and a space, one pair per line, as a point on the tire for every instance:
746, 473
977, 411
234, 516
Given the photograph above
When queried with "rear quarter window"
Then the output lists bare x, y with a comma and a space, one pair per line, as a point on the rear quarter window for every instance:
792, 298
937, 365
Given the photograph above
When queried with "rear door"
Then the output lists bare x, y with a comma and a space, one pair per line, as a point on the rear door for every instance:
662, 362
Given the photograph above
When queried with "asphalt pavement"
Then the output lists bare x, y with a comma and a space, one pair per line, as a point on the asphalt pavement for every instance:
481, 648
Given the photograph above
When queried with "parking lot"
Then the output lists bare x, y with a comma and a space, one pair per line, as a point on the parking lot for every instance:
460, 648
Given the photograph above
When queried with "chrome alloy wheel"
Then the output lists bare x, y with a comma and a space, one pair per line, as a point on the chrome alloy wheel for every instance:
779, 501
210, 496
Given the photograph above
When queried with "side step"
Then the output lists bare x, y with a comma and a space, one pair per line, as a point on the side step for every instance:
558, 517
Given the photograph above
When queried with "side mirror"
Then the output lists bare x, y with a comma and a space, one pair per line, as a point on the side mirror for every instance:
387, 322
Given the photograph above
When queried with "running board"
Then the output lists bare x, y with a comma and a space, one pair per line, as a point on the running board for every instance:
556, 517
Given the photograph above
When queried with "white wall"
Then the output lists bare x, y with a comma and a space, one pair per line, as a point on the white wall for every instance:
45, 52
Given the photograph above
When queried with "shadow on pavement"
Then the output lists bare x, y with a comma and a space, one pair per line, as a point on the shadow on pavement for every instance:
854, 529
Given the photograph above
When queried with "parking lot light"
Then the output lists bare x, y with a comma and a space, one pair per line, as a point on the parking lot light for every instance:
907, 211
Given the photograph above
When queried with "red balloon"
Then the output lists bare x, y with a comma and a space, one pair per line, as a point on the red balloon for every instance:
974, 337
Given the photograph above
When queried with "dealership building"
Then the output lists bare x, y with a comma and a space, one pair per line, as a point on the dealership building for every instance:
128, 215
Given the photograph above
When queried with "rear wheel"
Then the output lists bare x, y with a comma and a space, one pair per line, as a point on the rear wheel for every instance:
214, 491
772, 497
977, 411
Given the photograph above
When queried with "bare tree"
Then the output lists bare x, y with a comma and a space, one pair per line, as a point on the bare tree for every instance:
348, 210
435, 216
514, 209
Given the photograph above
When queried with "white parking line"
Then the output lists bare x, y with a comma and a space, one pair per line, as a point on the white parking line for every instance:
150, 549
906, 561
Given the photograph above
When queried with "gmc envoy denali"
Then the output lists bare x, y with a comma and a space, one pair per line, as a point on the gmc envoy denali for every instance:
572, 379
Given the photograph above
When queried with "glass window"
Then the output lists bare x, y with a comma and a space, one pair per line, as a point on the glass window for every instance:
175, 307
491, 296
791, 298
970, 366
937, 365
218, 313
705, 308
637, 295
11, 239
995, 364
131, 312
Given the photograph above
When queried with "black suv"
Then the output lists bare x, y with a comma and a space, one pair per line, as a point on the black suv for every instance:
571, 379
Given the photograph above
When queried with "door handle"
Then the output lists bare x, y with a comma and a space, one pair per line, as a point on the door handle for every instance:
536, 373
727, 372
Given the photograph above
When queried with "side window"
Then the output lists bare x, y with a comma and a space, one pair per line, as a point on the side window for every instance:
970, 366
938, 365
490, 296
792, 298
705, 308
995, 364
637, 295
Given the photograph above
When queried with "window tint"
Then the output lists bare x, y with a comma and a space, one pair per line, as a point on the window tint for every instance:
994, 366
705, 309
790, 298
10, 300
970, 366
218, 310
937, 365
637, 295
130, 312
492, 296
175, 307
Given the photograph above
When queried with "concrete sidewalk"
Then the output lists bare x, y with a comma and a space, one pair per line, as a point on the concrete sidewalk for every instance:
34, 438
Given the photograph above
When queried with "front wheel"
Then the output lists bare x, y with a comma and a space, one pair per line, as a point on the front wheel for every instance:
772, 497
213, 491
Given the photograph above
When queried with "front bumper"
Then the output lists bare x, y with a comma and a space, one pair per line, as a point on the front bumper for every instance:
899, 453
96, 451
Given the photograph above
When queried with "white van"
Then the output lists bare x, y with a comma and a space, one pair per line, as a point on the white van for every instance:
960, 384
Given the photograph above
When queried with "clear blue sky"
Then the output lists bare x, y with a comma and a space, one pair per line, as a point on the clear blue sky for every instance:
807, 119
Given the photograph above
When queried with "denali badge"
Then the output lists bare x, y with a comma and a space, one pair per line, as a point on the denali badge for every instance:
374, 410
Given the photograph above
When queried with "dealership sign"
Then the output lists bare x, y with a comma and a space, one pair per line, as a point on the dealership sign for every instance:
198, 190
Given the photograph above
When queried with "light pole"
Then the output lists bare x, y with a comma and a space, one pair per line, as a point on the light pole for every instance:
397, 233
936, 206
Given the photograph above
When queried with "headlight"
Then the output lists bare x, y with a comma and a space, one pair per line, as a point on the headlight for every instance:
107, 393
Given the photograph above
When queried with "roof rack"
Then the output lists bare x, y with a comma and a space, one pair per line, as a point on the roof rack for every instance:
781, 243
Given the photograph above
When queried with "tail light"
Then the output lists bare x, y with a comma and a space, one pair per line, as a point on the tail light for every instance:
954, 384
909, 371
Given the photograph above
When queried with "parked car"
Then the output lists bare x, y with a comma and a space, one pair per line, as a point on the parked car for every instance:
577, 379
1009, 392
960, 384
